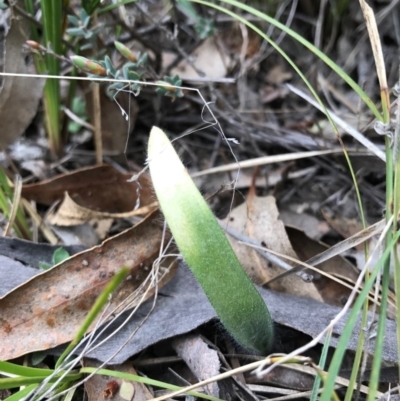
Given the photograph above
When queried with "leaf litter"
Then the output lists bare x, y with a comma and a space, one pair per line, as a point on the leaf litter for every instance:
48, 309
293, 138
89, 200
99, 387
98, 188
183, 307
257, 212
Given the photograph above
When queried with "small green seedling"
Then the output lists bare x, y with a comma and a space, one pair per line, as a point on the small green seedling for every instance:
206, 249
59, 255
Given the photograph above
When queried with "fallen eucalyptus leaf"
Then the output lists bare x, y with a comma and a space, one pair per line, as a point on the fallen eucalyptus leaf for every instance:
48, 310
184, 307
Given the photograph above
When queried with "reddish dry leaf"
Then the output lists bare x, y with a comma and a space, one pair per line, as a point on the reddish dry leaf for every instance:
48, 310
100, 188
110, 389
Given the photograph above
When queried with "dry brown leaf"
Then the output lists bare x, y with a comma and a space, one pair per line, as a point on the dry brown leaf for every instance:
19, 96
48, 309
114, 127
312, 227
236, 36
208, 58
258, 218
278, 74
344, 226
70, 213
101, 188
98, 386
332, 292
88, 234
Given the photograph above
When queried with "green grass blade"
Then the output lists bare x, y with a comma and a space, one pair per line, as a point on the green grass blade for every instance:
13, 382
94, 311
21, 393
396, 209
20, 225
52, 29
347, 332
145, 380
19, 370
366, 99
377, 361
358, 357
322, 361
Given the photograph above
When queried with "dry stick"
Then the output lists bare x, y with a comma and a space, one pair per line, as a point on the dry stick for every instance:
98, 143
225, 375
341, 123
266, 253
305, 277
242, 369
260, 161
15, 204
78, 120
47, 233
339, 248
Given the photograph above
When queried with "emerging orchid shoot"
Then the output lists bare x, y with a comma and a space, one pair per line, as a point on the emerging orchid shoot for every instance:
206, 249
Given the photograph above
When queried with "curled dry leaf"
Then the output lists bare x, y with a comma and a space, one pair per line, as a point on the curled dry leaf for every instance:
94, 193
101, 188
110, 389
70, 213
48, 310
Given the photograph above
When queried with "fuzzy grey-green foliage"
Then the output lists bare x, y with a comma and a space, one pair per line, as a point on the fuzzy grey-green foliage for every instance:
206, 249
